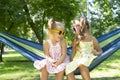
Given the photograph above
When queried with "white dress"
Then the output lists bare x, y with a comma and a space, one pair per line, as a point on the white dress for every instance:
85, 57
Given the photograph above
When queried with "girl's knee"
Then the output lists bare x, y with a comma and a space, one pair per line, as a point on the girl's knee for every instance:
43, 69
70, 76
82, 66
60, 75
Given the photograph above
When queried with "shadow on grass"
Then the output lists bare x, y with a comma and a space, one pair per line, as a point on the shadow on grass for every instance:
101, 78
17, 61
106, 78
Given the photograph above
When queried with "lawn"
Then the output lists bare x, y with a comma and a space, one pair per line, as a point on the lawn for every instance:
17, 67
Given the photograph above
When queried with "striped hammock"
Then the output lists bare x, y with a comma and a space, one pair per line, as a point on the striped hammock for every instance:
34, 51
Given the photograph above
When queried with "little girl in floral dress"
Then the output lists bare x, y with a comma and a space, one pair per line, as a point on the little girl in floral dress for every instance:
55, 49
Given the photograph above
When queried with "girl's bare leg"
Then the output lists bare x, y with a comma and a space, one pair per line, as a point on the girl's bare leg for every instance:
60, 76
43, 74
71, 76
84, 72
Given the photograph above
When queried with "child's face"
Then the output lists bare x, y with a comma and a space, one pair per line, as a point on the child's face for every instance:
76, 27
58, 34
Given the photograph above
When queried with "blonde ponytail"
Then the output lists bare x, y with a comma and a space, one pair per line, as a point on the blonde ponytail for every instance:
51, 24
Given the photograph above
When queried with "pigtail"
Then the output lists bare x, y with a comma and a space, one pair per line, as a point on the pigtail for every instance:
84, 26
51, 24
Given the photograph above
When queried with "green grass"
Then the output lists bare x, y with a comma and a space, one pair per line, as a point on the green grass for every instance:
18, 70
17, 67
12, 69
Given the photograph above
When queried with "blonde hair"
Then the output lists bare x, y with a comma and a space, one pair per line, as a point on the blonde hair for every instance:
83, 23
54, 25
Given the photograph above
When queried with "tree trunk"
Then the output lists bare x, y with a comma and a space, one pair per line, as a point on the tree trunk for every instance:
1, 51
31, 23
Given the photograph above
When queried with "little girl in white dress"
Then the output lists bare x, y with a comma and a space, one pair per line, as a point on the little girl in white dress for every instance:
84, 56
85, 49
55, 51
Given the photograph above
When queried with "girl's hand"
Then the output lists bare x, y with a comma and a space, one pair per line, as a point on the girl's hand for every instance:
95, 52
50, 59
55, 64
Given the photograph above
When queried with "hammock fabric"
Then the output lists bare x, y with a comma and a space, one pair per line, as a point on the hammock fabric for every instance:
34, 51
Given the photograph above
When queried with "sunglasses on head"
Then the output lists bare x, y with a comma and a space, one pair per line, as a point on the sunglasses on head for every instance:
59, 32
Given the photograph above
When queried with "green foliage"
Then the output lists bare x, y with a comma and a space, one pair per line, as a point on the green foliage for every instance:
12, 18
104, 16
60, 10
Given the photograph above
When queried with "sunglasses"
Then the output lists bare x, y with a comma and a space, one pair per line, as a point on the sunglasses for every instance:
59, 32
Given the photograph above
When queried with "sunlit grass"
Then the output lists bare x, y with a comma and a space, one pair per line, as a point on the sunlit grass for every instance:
12, 56
17, 70
107, 70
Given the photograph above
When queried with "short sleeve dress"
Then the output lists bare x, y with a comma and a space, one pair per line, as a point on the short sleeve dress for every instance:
84, 56
55, 53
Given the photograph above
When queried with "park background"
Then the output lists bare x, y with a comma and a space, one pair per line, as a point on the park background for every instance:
28, 19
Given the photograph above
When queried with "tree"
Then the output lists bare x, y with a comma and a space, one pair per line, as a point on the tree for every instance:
42, 10
23, 16
10, 20
104, 16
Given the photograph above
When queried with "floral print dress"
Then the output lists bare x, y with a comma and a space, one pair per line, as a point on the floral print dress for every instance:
55, 53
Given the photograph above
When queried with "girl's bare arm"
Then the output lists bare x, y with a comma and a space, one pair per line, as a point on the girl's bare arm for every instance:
46, 51
73, 50
63, 51
97, 48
